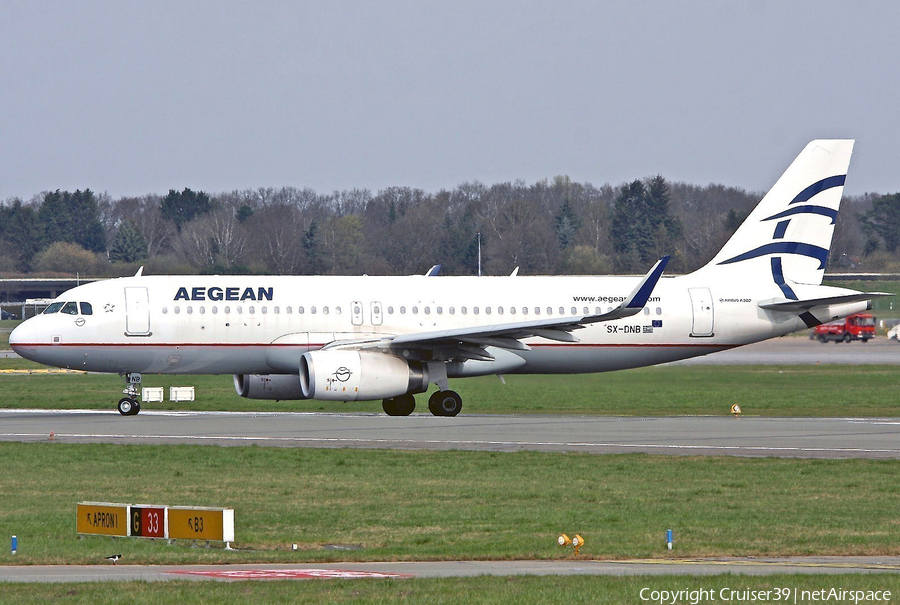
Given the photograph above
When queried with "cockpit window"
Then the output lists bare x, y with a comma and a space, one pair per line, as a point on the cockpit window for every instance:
53, 308
86, 309
70, 308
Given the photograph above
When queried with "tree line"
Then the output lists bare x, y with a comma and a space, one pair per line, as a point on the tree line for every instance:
555, 226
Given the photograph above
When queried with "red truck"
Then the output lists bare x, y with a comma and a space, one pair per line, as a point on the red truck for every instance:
860, 326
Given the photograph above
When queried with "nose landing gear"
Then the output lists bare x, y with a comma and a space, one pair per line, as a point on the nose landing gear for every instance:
129, 406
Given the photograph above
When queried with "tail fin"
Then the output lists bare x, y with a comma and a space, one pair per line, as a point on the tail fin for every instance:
788, 235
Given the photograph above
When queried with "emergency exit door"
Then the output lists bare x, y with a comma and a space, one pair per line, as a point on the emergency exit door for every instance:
702, 307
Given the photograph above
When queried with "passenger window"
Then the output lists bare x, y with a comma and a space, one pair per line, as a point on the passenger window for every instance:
659, 310
301, 310
646, 310
325, 310
562, 310
252, 309
165, 310
312, 310
239, 310
512, 310
427, 310
276, 310
337, 310
462, 310
475, 310
53, 308
70, 309
452, 310
487, 310
190, 310
537, 310
586, 311
549, 310
499, 310
524, 310
440, 310
415, 310
177, 310
289, 310
402, 310
574, 311
86, 309
215, 310
264, 310
202, 310
390, 310
227, 310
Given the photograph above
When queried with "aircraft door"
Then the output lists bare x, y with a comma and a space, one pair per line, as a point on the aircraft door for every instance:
376, 313
356, 313
137, 312
702, 307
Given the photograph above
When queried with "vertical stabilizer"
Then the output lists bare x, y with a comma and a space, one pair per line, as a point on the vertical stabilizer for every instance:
787, 237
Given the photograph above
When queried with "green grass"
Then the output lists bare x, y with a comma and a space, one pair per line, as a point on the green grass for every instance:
703, 390
530, 589
401, 505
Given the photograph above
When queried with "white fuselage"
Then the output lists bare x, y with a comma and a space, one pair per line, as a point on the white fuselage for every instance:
263, 324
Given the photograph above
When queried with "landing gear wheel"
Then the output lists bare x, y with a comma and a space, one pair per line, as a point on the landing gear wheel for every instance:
399, 406
128, 406
445, 403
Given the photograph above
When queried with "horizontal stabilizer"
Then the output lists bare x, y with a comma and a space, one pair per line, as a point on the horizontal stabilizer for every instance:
784, 304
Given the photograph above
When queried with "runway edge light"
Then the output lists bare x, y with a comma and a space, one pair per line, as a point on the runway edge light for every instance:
563, 540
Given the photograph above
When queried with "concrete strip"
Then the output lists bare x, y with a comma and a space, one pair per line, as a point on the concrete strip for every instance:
443, 569
684, 435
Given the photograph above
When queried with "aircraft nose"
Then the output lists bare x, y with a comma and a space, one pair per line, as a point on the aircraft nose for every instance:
21, 337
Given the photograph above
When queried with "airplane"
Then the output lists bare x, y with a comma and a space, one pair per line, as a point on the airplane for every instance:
338, 338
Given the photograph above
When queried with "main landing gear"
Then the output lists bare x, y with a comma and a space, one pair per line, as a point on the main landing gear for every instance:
441, 403
129, 405
445, 403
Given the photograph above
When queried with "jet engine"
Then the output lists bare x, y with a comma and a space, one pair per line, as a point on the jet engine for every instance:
268, 386
359, 375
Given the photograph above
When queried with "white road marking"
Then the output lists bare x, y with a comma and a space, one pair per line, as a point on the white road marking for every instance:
456, 442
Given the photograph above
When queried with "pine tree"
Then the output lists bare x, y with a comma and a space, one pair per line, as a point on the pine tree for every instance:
567, 223
129, 245
181, 207
883, 221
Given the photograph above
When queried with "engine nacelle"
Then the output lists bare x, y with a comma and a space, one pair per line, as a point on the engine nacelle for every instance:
353, 375
268, 386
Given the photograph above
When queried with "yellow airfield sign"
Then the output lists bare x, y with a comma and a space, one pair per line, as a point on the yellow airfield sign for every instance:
101, 518
196, 523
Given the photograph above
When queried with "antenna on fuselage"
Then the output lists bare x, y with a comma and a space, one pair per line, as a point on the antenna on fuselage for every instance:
139, 271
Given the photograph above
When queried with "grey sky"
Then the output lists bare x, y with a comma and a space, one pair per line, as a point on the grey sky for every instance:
141, 97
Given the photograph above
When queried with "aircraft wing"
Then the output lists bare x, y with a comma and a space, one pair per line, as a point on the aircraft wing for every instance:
470, 342
810, 303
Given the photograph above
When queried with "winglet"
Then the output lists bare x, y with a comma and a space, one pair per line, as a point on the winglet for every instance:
642, 292
434, 271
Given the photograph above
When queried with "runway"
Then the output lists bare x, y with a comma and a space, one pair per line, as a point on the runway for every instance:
446, 569
681, 435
